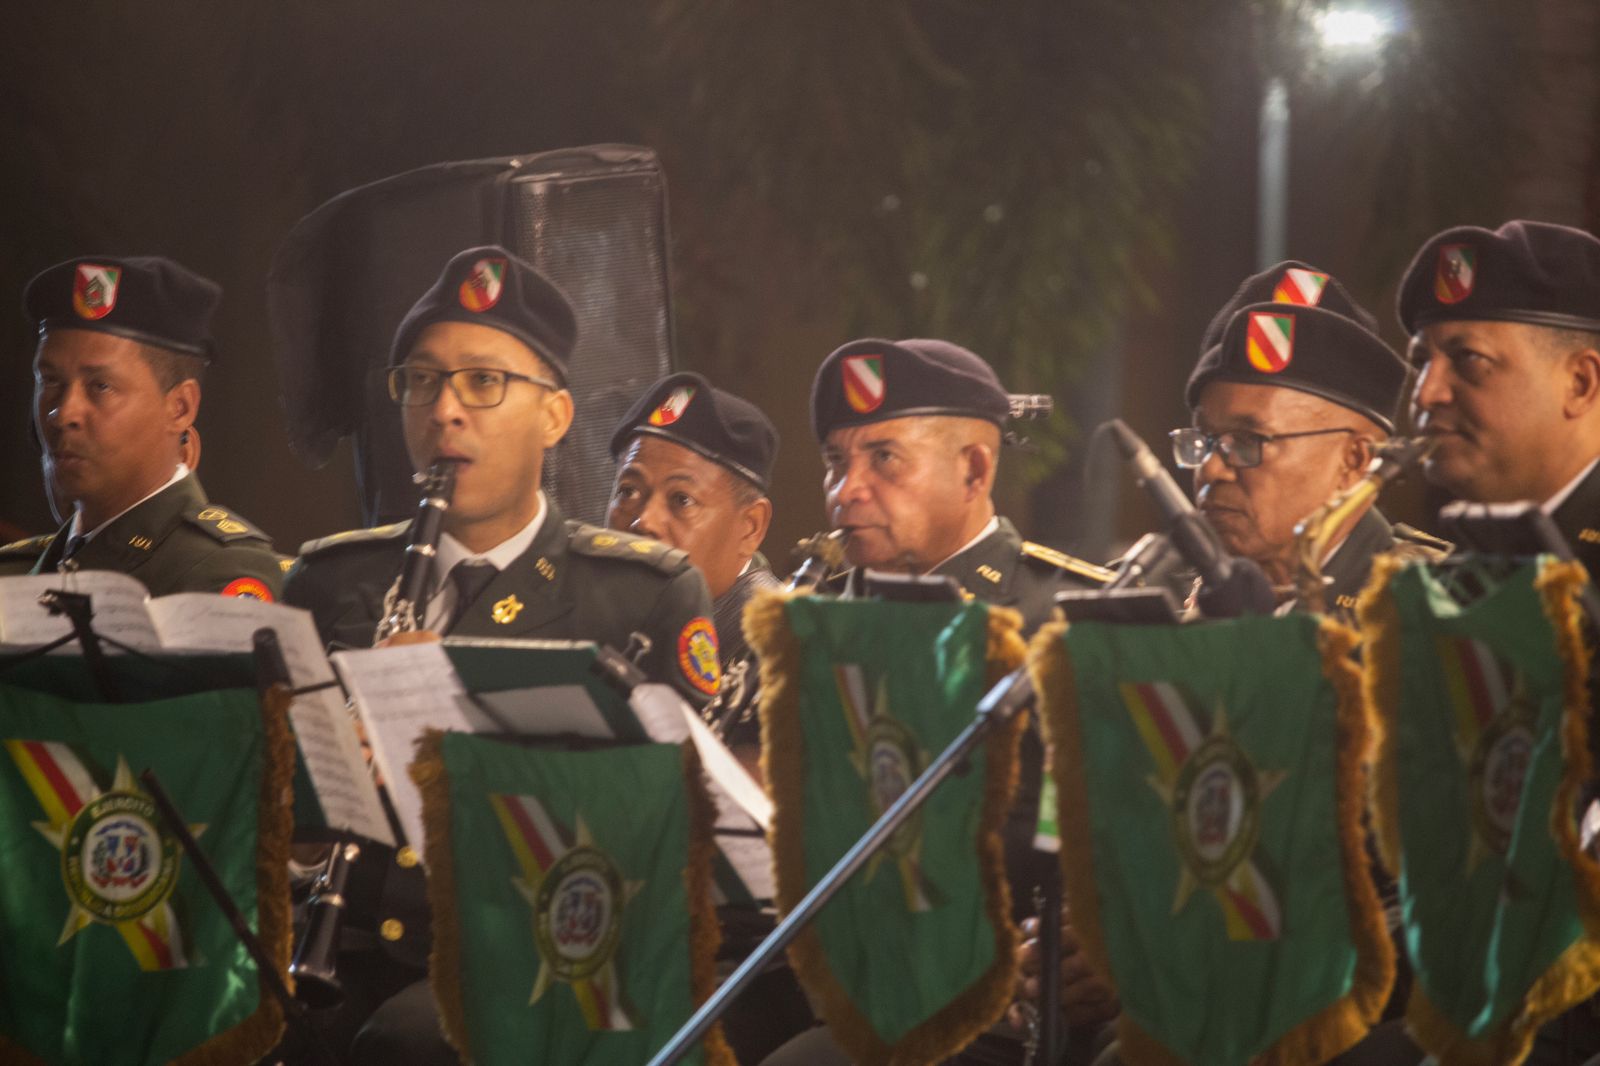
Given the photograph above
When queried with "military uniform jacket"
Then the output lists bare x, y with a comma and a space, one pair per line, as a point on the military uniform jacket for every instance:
176, 541
575, 582
736, 703
1578, 518
1351, 565
1004, 570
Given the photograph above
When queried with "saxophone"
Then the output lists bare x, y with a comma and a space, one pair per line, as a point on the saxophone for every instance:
315, 964
1314, 534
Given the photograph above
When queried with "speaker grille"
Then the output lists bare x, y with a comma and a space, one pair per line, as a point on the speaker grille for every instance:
600, 235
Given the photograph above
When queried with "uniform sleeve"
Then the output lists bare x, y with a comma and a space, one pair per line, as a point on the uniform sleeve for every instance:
683, 640
239, 569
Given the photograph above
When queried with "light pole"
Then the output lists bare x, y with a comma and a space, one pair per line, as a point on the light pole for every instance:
1337, 30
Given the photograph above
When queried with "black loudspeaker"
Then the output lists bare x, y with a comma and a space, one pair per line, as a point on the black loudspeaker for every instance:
593, 220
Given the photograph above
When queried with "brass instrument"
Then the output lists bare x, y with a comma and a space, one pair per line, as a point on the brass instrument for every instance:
1314, 534
315, 964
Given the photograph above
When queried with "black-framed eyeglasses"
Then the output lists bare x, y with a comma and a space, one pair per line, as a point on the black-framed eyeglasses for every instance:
474, 386
1239, 448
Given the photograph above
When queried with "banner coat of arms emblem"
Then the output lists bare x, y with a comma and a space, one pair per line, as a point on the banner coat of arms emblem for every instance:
1210, 781
916, 954
1484, 714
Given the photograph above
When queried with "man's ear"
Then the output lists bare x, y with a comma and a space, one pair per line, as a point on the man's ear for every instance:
977, 470
1359, 450
754, 518
557, 413
183, 405
1583, 383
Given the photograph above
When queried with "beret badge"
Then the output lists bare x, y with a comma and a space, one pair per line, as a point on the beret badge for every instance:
94, 290
481, 288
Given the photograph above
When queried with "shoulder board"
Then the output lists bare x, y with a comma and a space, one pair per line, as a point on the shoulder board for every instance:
1070, 563
222, 524
30, 546
601, 543
355, 536
1412, 537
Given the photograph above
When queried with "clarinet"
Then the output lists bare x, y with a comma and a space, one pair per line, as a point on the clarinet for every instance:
315, 965
411, 587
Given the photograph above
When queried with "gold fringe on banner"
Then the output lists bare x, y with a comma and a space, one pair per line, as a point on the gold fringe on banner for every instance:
445, 962
445, 968
982, 1003
1559, 586
1343, 1022
261, 1031
1575, 975
705, 932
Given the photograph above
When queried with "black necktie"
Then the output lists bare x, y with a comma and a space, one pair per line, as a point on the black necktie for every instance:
74, 546
470, 579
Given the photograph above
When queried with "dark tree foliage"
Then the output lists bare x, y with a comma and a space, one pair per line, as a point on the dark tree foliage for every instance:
995, 173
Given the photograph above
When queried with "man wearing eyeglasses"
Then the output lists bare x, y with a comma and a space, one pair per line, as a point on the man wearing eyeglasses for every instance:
480, 375
479, 371
1292, 396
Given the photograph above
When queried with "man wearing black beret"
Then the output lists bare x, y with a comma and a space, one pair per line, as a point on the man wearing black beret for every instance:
911, 433
1293, 393
1505, 334
123, 344
478, 367
693, 468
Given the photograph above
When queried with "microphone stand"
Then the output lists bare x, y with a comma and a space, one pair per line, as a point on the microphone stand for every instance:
1002, 703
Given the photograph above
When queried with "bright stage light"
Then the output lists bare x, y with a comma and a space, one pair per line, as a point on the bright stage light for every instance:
1347, 28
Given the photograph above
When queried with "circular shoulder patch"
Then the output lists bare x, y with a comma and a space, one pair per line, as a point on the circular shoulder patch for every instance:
697, 655
249, 588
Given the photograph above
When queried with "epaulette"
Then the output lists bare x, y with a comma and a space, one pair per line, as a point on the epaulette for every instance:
1425, 545
1070, 563
223, 525
609, 544
355, 536
31, 546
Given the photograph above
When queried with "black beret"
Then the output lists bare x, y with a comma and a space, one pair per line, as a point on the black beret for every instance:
144, 298
1289, 282
1307, 348
874, 380
1533, 272
685, 409
489, 286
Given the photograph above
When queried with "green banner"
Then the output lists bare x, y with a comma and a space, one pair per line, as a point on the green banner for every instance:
915, 956
570, 896
1209, 780
1474, 693
114, 952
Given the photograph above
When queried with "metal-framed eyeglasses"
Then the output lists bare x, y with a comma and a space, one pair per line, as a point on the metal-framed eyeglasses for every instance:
1239, 448
474, 386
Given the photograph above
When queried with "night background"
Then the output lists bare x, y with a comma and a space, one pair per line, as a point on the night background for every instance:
1068, 188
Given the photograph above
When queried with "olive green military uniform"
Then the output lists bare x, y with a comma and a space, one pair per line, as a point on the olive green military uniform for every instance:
1351, 565
575, 582
1004, 570
1578, 518
176, 541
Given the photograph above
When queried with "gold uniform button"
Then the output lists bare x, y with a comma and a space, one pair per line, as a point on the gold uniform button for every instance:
392, 929
406, 857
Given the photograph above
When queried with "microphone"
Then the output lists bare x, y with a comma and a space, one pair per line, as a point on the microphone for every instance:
1229, 586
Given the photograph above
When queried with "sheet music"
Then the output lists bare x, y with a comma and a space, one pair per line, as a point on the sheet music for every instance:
549, 711
195, 621
118, 602
741, 804
660, 710
399, 692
